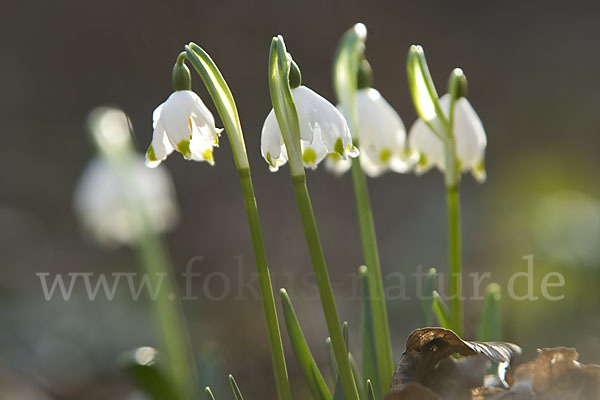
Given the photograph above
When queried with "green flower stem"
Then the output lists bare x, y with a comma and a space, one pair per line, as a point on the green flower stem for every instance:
383, 343
454, 257
169, 316
347, 73
324, 286
266, 289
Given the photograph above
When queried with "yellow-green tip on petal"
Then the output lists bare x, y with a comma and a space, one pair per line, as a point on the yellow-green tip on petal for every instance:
150, 155
184, 148
385, 155
309, 156
479, 172
339, 147
208, 156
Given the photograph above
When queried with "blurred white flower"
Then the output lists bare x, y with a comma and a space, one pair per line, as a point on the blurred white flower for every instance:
381, 137
323, 130
183, 123
113, 216
469, 135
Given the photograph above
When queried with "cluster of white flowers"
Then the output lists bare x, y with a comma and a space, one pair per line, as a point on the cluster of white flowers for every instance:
381, 137
185, 124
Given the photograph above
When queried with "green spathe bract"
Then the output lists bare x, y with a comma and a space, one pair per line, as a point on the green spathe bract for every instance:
283, 103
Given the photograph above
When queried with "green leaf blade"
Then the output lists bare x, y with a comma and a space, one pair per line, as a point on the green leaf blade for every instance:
370, 368
283, 103
427, 313
441, 311
235, 388
305, 359
490, 329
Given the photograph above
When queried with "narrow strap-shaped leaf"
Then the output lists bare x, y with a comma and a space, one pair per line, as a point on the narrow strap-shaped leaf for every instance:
234, 387
427, 302
141, 365
209, 393
345, 332
223, 99
305, 359
490, 328
441, 311
357, 376
370, 392
338, 393
332, 363
370, 368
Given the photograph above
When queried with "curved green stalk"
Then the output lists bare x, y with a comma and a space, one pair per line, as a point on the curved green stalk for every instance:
345, 74
223, 99
287, 118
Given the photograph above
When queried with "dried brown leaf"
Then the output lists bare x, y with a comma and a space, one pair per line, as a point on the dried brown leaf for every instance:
556, 375
412, 391
427, 361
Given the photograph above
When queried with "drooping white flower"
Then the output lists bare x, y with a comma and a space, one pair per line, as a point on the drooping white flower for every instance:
105, 209
323, 130
381, 137
469, 135
185, 124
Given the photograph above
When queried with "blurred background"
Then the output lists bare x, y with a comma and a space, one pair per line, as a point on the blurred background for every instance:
533, 70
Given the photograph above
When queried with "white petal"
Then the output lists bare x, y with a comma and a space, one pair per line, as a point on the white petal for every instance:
161, 147
205, 120
470, 135
405, 162
424, 142
314, 152
176, 117
382, 134
156, 115
272, 147
335, 164
315, 112
201, 148
371, 168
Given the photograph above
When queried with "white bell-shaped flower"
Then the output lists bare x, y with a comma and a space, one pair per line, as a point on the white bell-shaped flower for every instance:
381, 137
469, 135
323, 130
185, 124
105, 209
